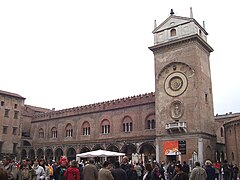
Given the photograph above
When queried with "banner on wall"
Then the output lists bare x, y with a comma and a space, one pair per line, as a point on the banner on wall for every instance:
171, 148
174, 147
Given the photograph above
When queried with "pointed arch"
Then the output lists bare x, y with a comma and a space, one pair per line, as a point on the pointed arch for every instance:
49, 154
41, 133
150, 122
40, 153
86, 128
58, 154
71, 154
105, 126
127, 123
69, 130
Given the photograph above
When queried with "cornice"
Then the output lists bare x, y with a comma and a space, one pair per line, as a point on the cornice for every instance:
132, 101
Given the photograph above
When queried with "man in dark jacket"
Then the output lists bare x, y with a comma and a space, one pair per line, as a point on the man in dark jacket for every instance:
185, 168
209, 170
226, 170
125, 164
118, 173
180, 175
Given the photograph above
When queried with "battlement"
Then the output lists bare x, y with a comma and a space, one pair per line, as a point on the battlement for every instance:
96, 107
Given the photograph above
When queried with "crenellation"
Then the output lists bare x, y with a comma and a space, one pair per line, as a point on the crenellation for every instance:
106, 105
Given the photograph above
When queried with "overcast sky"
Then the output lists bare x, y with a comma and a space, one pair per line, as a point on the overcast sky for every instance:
63, 54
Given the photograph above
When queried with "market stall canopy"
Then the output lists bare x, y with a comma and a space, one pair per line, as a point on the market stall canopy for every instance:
99, 153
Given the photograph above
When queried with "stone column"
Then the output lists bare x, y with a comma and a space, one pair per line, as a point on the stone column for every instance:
200, 150
157, 151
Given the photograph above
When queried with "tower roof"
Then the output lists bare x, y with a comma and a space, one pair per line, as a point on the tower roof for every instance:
174, 21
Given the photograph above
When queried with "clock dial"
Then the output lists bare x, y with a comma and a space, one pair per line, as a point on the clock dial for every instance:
175, 84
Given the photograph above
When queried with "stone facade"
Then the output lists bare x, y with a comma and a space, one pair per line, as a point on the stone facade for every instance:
178, 114
232, 140
183, 87
10, 122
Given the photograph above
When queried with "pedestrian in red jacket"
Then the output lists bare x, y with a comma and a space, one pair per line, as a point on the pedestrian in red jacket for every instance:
72, 172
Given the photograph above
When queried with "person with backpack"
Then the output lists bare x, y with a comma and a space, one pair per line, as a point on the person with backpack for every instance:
72, 172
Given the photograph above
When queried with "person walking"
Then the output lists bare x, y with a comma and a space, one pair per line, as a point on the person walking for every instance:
3, 174
26, 171
209, 170
118, 173
235, 172
10, 168
198, 173
225, 170
105, 173
90, 171
72, 172
132, 173
138, 168
148, 173
217, 168
180, 175
185, 167
40, 173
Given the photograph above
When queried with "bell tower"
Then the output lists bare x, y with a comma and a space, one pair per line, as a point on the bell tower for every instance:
183, 91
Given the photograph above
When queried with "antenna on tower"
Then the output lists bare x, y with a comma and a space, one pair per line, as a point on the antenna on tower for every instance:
155, 23
203, 24
191, 12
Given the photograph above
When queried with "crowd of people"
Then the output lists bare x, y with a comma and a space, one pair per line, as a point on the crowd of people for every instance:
39, 169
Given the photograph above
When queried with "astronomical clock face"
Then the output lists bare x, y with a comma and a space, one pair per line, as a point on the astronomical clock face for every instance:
175, 84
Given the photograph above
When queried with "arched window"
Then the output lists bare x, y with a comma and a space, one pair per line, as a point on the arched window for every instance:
105, 126
150, 122
69, 130
41, 133
173, 32
221, 132
86, 128
127, 124
54, 132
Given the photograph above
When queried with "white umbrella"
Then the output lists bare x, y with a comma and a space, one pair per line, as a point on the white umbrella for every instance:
99, 153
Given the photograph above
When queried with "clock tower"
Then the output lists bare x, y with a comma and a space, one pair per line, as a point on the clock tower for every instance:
183, 91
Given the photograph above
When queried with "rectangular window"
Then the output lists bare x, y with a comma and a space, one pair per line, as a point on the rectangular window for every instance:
15, 106
16, 114
14, 131
6, 113
2, 103
15, 147
5, 129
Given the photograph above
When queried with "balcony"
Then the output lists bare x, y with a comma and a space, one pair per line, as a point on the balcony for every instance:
176, 127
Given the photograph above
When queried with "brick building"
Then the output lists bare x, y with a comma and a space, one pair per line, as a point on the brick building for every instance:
174, 122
